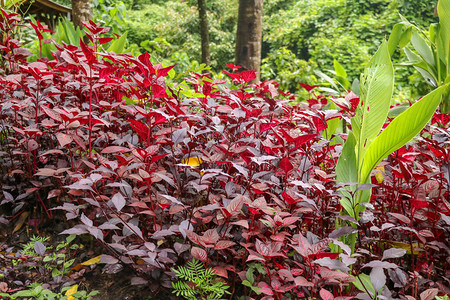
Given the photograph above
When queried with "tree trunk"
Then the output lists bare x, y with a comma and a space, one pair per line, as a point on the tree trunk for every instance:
204, 32
249, 35
81, 12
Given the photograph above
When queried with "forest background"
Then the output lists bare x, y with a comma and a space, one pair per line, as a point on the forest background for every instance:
300, 37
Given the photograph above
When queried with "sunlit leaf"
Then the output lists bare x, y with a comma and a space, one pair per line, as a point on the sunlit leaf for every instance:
71, 291
193, 161
92, 261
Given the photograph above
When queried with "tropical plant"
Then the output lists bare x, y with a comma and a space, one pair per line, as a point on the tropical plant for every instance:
366, 147
36, 291
431, 55
199, 283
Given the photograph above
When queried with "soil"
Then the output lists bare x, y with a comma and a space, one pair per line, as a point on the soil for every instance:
24, 271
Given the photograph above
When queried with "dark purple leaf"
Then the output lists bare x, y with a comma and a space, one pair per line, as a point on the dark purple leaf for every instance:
378, 278
333, 264
326, 295
337, 233
380, 264
119, 201
108, 259
39, 248
393, 253
429, 294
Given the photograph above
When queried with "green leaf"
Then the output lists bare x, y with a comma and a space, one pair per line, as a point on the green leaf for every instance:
247, 283
346, 165
421, 66
24, 293
339, 69
348, 206
444, 31
118, 45
364, 283
406, 37
395, 37
376, 88
421, 46
401, 130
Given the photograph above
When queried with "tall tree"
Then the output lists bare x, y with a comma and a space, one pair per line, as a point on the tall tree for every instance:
204, 32
249, 35
81, 12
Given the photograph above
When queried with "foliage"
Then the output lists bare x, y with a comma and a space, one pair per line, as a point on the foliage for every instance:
110, 13
174, 27
198, 282
36, 291
432, 55
349, 31
217, 169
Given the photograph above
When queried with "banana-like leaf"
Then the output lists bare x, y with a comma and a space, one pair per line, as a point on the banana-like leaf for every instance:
395, 37
422, 48
401, 130
376, 88
346, 165
118, 45
422, 67
444, 30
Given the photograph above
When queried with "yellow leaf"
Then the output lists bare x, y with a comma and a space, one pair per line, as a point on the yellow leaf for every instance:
400, 245
21, 220
92, 261
71, 291
194, 161
379, 175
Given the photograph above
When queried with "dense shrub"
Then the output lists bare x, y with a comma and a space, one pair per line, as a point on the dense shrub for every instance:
220, 170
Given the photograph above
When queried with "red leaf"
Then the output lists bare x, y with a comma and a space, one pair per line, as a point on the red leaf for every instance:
221, 271
164, 71
140, 128
308, 87
104, 40
286, 165
326, 254
303, 139
224, 245
88, 52
401, 217
266, 126
199, 253
158, 91
319, 124
115, 149
326, 295
248, 75
158, 157
233, 67
289, 199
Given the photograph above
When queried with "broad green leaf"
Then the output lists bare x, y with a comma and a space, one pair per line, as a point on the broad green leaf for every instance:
339, 69
421, 46
332, 124
406, 37
118, 45
433, 32
348, 206
356, 126
395, 37
421, 67
363, 282
444, 31
376, 88
346, 165
401, 130
327, 78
